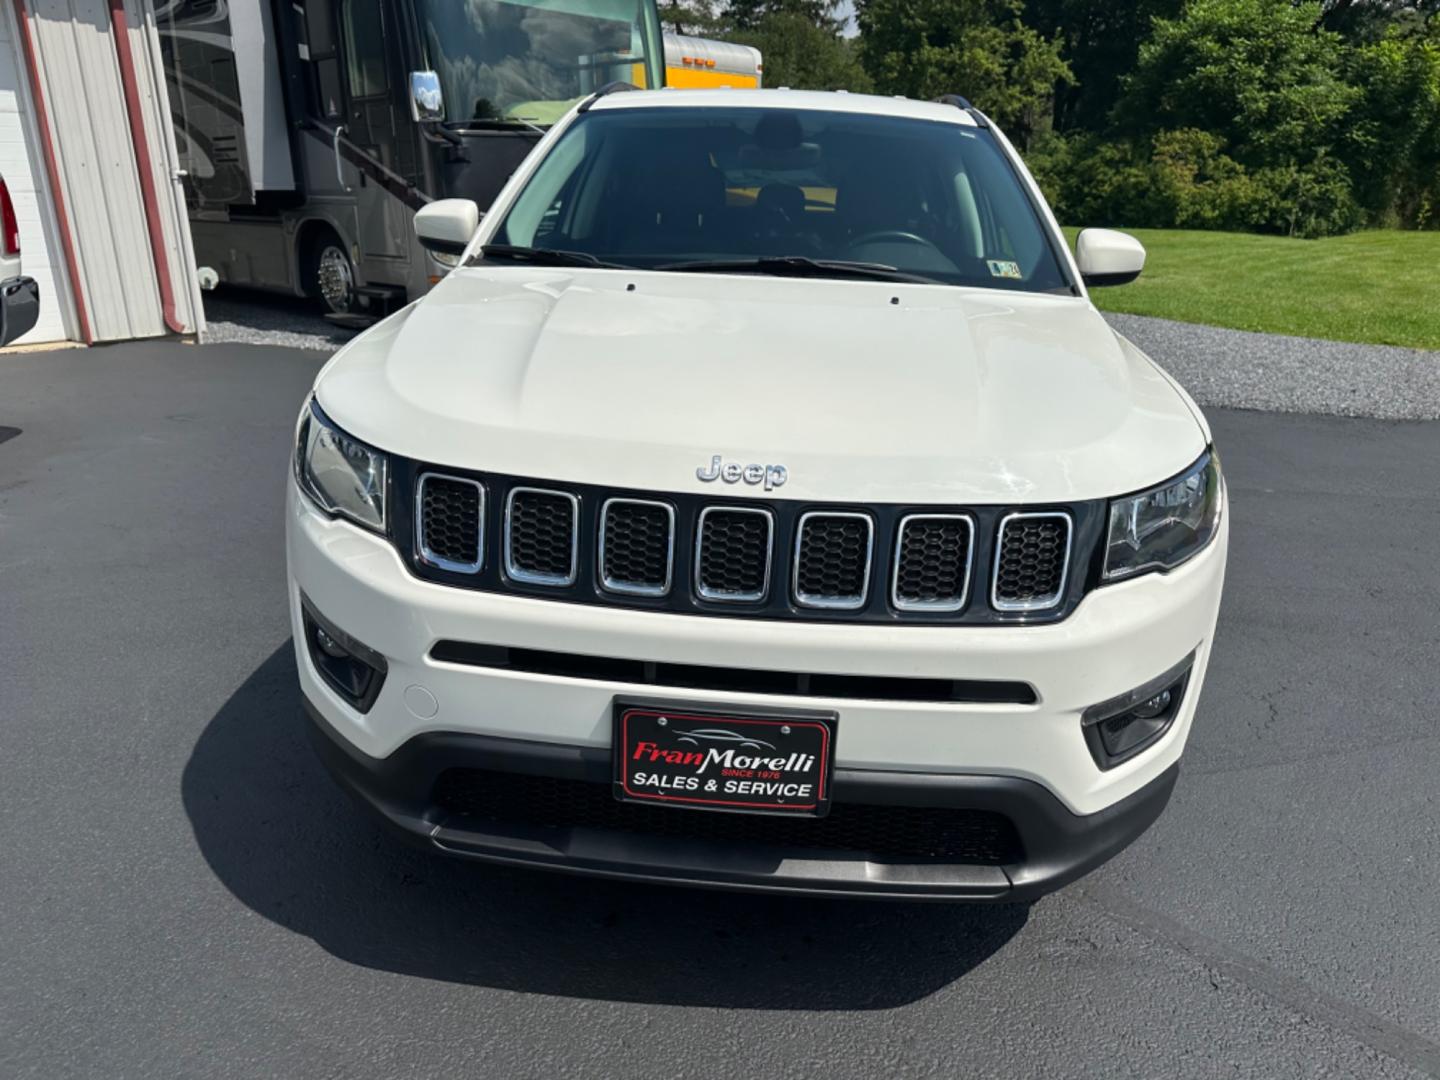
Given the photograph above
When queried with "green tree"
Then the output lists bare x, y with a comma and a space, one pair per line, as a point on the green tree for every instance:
1258, 73
800, 54
1393, 135
977, 48
698, 18
750, 15
1265, 86
1101, 44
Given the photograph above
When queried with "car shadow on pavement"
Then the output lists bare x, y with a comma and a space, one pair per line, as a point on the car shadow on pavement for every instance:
294, 848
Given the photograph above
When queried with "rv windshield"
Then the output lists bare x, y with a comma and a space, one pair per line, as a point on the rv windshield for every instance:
527, 61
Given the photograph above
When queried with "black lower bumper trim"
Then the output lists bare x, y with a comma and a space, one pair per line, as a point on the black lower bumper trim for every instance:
1056, 846
19, 307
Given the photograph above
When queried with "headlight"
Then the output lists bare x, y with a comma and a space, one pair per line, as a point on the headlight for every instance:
1159, 529
342, 474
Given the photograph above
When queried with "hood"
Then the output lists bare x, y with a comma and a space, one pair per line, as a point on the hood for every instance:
863, 391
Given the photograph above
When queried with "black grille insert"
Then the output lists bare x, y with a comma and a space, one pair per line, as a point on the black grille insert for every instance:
932, 562
540, 536
832, 560
909, 833
737, 680
733, 553
449, 510
1033, 551
637, 546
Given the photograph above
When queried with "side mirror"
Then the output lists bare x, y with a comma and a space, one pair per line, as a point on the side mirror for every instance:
1107, 257
445, 226
427, 103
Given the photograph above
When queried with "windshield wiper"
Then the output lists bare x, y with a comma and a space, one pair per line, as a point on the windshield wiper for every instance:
547, 257
801, 266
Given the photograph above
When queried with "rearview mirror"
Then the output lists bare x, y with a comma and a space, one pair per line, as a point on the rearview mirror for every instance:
445, 226
1107, 257
426, 101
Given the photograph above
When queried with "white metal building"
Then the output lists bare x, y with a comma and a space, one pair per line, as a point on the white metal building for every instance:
87, 150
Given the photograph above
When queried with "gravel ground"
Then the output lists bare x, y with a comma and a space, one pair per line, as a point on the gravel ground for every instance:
1277, 373
238, 316
1230, 368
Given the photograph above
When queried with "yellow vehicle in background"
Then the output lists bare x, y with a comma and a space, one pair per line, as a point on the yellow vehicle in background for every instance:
693, 63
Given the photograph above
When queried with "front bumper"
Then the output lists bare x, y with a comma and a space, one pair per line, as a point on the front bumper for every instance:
1029, 762
1058, 846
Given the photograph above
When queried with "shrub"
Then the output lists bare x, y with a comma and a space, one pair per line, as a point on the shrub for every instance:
1185, 179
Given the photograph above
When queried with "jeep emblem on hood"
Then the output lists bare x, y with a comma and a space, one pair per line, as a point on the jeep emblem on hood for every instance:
732, 472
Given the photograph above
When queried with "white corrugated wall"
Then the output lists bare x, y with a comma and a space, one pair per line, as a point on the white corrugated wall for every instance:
80, 78
23, 167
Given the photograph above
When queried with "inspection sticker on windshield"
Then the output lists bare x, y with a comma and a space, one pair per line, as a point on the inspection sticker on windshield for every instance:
1003, 268
772, 763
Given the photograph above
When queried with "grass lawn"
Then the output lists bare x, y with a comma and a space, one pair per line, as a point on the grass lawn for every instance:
1381, 286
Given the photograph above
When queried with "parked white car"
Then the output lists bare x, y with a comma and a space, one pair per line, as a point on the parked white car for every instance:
19, 295
783, 417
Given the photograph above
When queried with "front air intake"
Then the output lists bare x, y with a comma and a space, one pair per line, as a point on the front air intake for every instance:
832, 560
637, 546
1032, 559
732, 554
541, 536
934, 556
449, 522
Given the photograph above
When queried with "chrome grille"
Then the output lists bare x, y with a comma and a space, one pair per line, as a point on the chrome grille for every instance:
732, 553
449, 515
832, 560
933, 556
541, 536
1032, 559
701, 553
637, 546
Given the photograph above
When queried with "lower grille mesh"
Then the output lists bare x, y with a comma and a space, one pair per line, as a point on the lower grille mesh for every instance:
932, 834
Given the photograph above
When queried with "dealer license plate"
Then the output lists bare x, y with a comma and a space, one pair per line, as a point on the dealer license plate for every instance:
770, 763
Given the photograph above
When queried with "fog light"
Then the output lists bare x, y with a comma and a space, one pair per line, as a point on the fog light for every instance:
1154, 707
353, 670
328, 645
1118, 729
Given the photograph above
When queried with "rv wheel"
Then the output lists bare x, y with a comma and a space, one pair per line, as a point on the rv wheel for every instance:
334, 277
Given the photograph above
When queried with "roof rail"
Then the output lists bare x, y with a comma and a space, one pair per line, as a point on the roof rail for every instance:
960, 103
608, 88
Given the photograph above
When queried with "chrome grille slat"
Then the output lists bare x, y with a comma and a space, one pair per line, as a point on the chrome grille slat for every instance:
450, 522
629, 559
1032, 561
934, 562
542, 536
833, 553
732, 559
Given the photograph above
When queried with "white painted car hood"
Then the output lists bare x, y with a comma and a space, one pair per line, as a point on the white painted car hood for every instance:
864, 391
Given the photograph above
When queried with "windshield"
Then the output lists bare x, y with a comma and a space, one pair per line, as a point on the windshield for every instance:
530, 60
658, 187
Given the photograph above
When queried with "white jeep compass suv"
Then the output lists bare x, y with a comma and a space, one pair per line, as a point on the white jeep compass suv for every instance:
759, 503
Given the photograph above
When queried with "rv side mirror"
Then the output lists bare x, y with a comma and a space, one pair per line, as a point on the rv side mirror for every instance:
1107, 257
426, 101
445, 226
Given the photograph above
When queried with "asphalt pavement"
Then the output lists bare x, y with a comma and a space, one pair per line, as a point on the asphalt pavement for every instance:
185, 893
